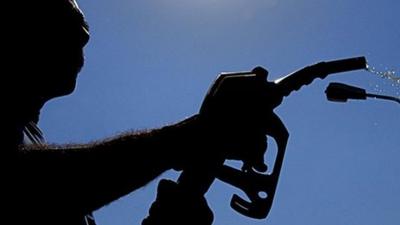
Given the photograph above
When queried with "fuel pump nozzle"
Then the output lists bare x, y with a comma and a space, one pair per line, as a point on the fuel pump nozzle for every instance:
339, 92
249, 96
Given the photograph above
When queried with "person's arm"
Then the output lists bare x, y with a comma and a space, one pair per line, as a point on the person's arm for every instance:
87, 177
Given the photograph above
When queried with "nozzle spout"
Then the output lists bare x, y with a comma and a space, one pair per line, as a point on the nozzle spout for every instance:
344, 65
297, 79
339, 92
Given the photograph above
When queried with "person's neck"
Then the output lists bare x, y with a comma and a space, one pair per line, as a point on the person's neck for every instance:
17, 114
26, 110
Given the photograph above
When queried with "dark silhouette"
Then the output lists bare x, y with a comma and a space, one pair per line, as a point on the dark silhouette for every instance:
63, 184
339, 92
248, 99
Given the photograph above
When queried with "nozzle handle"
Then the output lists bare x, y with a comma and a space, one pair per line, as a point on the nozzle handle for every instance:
297, 79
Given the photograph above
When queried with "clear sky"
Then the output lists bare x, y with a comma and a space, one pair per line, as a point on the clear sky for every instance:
150, 63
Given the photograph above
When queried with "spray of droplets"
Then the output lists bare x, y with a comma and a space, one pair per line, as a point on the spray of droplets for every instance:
389, 75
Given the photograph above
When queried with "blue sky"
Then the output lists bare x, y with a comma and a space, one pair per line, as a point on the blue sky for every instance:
150, 63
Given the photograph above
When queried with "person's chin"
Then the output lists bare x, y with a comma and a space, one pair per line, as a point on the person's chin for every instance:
66, 88
61, 88
68, 84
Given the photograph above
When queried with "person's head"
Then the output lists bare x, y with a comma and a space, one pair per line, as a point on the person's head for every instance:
47, 37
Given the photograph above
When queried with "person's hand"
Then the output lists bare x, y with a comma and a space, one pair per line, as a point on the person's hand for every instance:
231, 123
175, 205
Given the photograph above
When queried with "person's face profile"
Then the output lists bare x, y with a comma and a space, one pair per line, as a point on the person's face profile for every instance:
53, 51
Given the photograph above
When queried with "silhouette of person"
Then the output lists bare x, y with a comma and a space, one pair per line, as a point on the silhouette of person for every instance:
63, 184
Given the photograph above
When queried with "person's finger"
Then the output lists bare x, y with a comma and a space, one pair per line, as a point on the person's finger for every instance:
256, 148
250, 149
